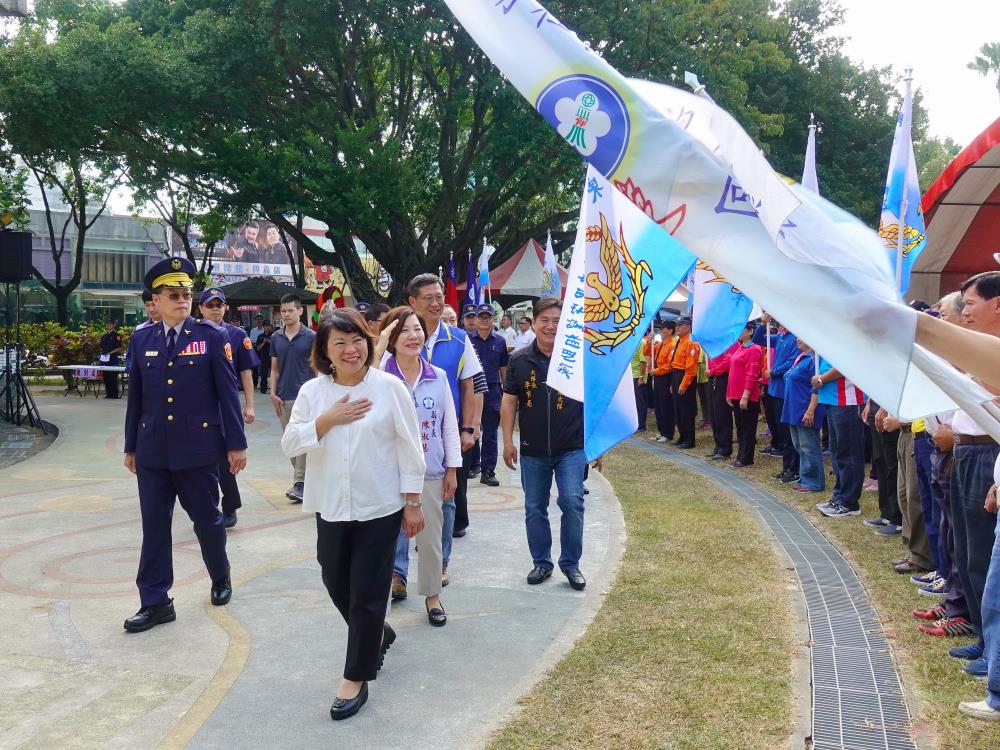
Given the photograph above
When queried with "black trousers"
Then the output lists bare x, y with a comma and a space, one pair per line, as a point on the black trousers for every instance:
230, 490
462, 489
772, 415
663, 405
722, 416
111, 384
686, 406
355, 558
705, 401
781, 436
640, 402
264, 372
746, 431
886, 466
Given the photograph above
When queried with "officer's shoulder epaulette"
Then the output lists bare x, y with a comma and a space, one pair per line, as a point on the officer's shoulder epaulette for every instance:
206, 322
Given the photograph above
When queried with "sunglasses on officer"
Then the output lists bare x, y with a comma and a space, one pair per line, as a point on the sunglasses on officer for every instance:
175, 296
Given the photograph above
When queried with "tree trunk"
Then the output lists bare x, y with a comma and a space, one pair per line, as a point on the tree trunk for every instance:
61, 294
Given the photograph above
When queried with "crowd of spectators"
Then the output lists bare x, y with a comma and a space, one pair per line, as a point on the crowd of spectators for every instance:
935, 477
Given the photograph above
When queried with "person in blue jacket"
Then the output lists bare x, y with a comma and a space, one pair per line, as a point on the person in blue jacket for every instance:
183, 417
245, 363
785, 347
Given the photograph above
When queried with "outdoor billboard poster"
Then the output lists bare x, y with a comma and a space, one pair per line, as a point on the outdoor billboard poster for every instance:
255, 248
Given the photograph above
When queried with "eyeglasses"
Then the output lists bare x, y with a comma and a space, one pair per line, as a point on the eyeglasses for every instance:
175, 296
431, 298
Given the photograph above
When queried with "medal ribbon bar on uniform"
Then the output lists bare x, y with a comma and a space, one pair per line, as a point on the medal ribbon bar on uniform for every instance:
195, 347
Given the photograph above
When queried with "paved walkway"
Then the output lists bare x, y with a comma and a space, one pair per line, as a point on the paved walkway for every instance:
857, 697
262, 671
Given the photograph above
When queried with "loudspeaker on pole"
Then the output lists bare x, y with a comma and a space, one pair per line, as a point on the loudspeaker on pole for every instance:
15, 256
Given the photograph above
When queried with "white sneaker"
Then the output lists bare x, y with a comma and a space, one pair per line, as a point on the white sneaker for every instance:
660, 439
979, 709
824, 505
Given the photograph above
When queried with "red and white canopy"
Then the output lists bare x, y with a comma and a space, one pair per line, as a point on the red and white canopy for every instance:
962, 214
521, 274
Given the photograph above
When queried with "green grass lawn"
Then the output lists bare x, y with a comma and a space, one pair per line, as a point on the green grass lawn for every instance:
932, 679
693, 647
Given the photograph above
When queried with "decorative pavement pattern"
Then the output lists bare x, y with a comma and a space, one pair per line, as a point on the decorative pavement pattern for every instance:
262, 671
20, 443
857, 697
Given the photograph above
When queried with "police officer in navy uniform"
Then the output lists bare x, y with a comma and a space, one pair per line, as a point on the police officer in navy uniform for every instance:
111, 349
492, 350
245, 362
183, 417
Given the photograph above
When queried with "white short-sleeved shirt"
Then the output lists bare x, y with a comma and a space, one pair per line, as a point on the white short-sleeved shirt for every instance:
963, 424
509, 335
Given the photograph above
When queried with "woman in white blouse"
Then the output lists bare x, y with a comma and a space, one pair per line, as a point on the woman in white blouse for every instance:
358, 427
438, 423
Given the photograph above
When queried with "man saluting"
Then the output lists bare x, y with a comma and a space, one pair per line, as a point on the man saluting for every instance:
183, 417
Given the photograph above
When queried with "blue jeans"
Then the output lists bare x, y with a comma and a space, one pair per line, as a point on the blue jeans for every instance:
536, 480
847, 454
401, 565
923, 447
991, 625
805, 440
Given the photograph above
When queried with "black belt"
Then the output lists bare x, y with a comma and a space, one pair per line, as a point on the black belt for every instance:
974, 440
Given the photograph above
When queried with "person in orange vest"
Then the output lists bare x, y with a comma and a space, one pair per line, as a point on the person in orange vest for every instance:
682, 359
663, 402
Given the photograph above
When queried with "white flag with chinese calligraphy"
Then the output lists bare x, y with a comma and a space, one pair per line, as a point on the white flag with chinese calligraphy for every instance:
623, 268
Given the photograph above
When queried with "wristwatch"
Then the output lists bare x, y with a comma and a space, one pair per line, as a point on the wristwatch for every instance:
469, 430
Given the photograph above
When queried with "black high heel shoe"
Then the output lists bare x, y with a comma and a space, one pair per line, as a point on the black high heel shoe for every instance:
345, 708
436, 616
388, 638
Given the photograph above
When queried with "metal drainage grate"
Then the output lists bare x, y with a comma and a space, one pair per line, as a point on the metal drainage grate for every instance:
857, 697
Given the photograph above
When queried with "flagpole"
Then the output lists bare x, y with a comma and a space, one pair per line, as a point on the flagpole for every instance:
903, 203
767, 335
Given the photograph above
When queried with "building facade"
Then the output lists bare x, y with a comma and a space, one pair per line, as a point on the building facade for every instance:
118, 249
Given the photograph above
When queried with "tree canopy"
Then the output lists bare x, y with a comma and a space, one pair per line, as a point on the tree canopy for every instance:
385, 121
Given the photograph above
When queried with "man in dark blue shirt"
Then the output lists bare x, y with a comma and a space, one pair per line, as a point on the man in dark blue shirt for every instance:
245, 362
111, 349
492, 351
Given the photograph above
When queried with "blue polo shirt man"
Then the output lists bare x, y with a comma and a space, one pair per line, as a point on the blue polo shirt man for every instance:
491, 348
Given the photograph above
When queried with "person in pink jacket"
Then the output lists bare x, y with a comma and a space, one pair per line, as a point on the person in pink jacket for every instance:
743, 394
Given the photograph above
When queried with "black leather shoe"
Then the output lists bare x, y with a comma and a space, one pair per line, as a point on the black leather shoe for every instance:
685, 445
489, 478
575, 578
222, 591
539, 574
388, 638
436, 616
345, 708
473, 472
458, 533
229, 519
150, 617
